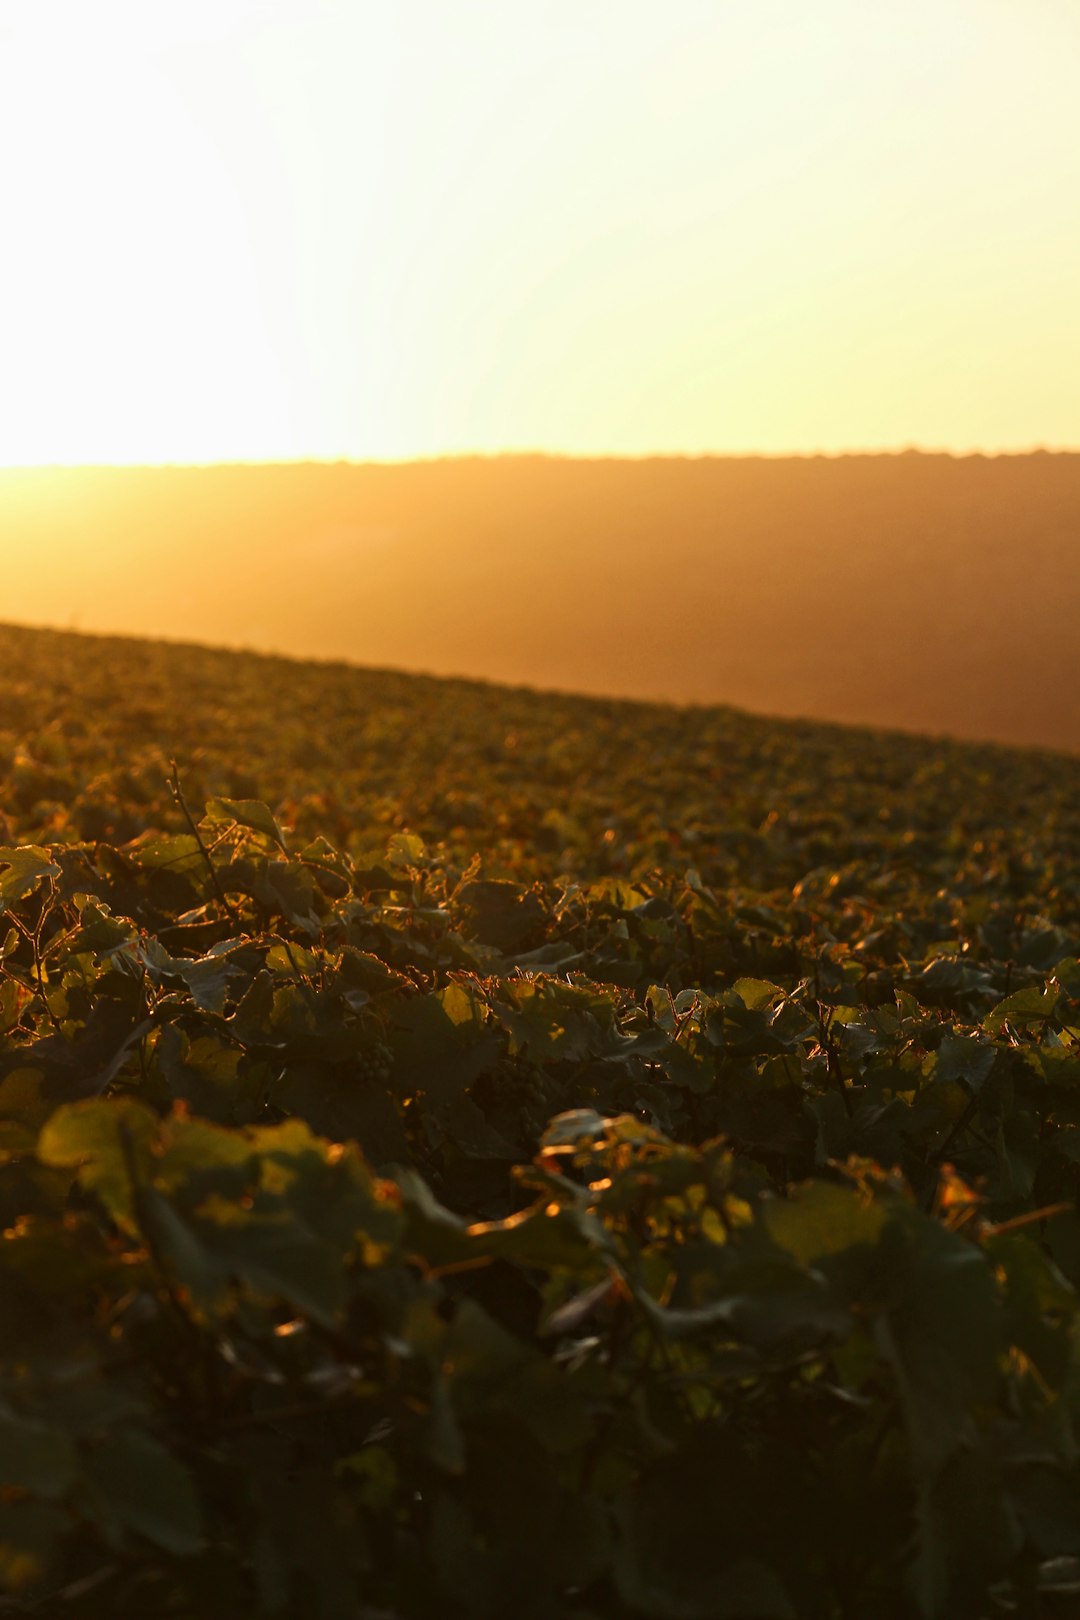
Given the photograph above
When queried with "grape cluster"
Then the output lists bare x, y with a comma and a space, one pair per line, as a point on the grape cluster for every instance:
374, 1063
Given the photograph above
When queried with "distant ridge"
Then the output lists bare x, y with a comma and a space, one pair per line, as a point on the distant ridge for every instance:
441, 458
926, 590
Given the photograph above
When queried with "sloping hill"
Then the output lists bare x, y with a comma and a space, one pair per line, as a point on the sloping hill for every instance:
928, 592
578, 1159
88, 725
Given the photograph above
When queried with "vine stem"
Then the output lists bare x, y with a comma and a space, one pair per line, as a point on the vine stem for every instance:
178, 795
32, 937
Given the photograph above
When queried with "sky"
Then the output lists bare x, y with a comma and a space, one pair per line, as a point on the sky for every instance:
330, 229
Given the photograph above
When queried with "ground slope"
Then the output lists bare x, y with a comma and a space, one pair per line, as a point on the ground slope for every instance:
473, 1152
933, 592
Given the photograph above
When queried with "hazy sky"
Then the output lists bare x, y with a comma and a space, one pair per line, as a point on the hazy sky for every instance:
331, 228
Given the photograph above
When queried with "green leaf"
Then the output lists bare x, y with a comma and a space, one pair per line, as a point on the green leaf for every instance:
99, 930
441, 1043
286, 886
756, 993
170, 852
405, 851
108, 1143
208, 978
823, 1218
500, 913
966, 1060
249, 813
941, 1330
1034, 1006
26, 867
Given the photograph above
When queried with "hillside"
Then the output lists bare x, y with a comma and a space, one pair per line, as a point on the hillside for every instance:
928, 592
468, 1151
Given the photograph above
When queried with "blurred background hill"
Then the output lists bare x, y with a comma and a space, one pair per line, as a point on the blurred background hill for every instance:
929, 592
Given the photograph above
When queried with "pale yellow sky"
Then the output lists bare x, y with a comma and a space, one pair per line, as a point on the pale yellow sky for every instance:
323, 228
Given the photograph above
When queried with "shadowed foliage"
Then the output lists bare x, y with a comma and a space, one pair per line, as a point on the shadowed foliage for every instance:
473, 1153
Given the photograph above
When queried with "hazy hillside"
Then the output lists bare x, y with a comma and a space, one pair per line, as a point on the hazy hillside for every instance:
929, 592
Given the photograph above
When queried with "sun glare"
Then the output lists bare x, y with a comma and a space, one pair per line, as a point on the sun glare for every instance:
259, 231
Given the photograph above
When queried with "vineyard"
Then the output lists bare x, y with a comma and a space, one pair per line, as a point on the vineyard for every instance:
473, 1153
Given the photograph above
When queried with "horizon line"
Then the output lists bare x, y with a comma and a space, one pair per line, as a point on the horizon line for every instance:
435, 457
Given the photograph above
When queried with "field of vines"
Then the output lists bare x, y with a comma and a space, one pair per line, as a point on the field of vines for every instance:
478, 1154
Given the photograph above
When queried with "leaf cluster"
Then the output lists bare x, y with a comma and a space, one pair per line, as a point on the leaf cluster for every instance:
567, 1159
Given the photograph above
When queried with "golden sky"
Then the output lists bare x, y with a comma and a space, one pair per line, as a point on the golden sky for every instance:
335, 228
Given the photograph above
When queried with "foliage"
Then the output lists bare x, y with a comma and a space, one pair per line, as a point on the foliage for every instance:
551, 1158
